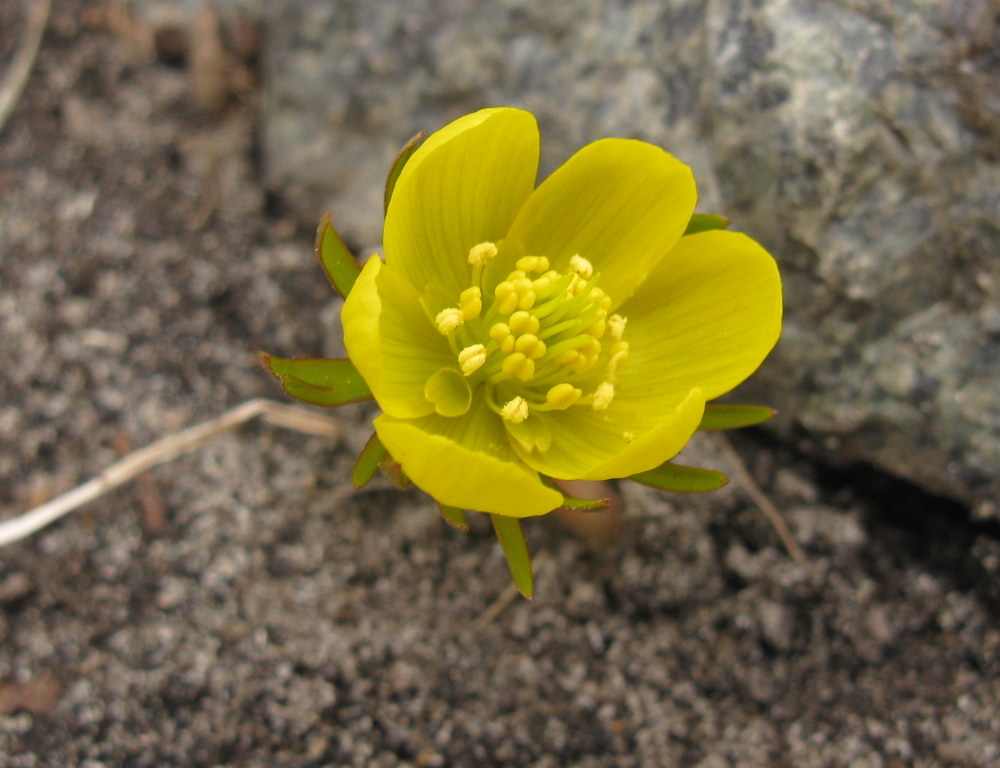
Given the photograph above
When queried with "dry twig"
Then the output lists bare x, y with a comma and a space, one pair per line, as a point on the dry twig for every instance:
16, 78
166, 449
760, 498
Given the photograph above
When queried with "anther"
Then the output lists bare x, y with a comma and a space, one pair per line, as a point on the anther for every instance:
597, 329
482, 253
499, 331
532, 264
471, 302
581, 266
449, 319
515, 411
618, 356
562, 396
530, 346
518, 364
568, 357
616, 326
603, 396
471, 359
523, 322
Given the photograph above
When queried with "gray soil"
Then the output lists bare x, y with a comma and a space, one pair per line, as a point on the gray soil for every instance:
279, 618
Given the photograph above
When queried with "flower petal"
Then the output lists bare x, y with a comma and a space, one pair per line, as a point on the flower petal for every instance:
706, 317
359, 318
466, 463
622, 204
463, 186
627, 438
413, 350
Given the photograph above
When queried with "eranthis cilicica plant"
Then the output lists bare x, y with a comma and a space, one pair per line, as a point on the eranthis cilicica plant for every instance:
514, 335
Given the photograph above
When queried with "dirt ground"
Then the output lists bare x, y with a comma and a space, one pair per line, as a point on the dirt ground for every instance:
243, 606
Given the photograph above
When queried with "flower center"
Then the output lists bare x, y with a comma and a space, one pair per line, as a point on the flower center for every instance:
544, 342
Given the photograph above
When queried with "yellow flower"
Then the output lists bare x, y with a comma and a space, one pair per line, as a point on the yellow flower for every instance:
572, 331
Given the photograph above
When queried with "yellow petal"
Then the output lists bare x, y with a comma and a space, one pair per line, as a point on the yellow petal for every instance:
360, 317
620, 204
466, 463
412, 348
624, 439
706, 317
462, 187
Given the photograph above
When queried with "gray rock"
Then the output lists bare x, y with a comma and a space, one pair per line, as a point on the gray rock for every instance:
856, 140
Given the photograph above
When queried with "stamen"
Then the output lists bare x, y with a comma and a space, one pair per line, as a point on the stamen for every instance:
523, 322
616, 326
499, 331
516, 410
603, 396
482, 253
532, 264
518, 364
449, 319
542, 333
581, 266
597, 329
562, 396
471, 359
618, 356
471, 302
507, 297
529, 345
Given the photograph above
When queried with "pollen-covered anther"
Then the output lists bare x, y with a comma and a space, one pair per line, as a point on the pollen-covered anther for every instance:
515, 411
471, 302
616, 326
482, 253
447, 320
603, 396
581, 266
532, 264
530, 346
562, 396
471, 359
518, 364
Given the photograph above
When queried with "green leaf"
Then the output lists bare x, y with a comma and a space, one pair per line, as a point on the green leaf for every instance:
319, 381
397, 167
338, 262
735, 416
677, 477
703, 222
454, 516
515, 549
368, 461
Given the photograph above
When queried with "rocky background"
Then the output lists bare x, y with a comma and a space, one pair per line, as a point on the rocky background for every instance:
243, 606
857, 140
